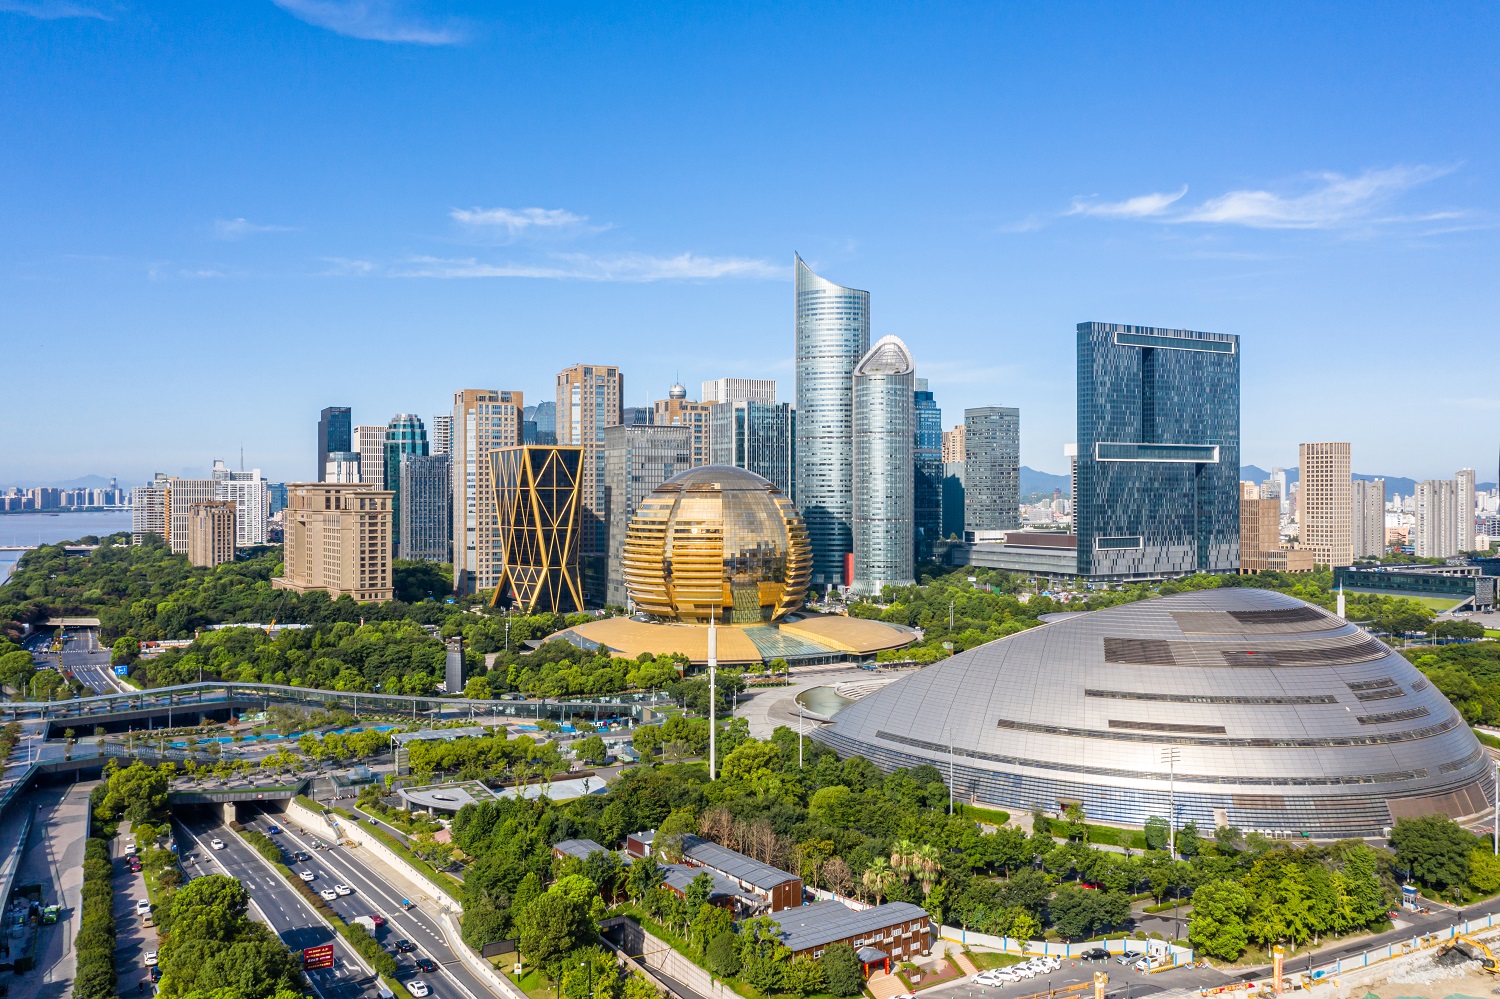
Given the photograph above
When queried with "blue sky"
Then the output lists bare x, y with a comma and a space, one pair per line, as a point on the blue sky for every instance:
217, 218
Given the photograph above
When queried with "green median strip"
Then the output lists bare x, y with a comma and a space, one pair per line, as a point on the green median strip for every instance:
445, 883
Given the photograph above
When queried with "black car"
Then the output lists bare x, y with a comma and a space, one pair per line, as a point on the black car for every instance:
405, 946
426, 965
1095, 954
300, 855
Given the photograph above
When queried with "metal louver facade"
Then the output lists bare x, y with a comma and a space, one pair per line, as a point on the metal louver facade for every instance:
537, 499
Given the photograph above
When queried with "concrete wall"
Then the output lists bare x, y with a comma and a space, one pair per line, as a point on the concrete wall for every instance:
658, 955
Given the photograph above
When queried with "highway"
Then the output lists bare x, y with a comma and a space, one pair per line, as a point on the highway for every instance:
82, 654
277, 903
375, 894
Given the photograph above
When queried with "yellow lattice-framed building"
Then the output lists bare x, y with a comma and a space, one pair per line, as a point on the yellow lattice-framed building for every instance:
537, 499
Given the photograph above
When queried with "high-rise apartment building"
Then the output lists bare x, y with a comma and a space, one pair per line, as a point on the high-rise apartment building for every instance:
1325, 503
251, 499
885, 434
1367, 519
335, 433
182, 494
211, 533
677, 410
1278, 481
589, 398
758, 436
1157, 473
832, 335
483, 421
537, 499
343, 468
1260, 536
404, 435
148, 510
1445, 516
637, 459
338, 539
369, 441
442, 434
544, 415
992, 468
953, 445
927, 499
1465, 489
762, 390
425, 507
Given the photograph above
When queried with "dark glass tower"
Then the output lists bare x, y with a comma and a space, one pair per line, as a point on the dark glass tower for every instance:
335, 432
928, 461
405, 434
1158, 451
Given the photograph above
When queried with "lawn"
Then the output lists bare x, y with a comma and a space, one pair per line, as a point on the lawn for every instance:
1438, 604
985, 960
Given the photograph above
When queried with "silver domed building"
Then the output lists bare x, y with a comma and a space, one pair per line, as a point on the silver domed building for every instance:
1282, 718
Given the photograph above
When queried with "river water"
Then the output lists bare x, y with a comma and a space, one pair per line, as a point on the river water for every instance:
49, 528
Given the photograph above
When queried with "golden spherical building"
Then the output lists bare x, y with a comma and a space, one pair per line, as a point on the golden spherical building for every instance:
717, 541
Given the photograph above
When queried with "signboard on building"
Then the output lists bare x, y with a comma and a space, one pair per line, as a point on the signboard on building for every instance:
317, 957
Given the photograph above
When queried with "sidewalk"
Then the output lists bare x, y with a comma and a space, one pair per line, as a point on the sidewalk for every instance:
53, 858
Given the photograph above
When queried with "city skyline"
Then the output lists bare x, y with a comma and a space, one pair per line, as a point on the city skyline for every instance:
1352, 248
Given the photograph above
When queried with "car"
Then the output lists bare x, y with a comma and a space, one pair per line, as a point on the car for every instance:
130, 847
377, 919
301, 857
273, 830
156, 973
343, 889
148, 920
216, 843
328, 894
142, 906
1023, 971
1130, 957
992, 977
404, 946
150, 959
418, 988
427, 965
1148, 963
1049, 963
1095, 954
306, 875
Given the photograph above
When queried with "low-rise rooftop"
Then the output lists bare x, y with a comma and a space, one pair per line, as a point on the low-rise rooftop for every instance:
821, 923
734, 864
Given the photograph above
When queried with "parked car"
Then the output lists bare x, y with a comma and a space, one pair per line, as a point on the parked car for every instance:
216, 843
1130, 957
148, 920
427, 965
142, 906
418, 988
150, 959
1095, 954
1049, 963
1148, 963
1023, 971
343, 889
328, 894
306, 875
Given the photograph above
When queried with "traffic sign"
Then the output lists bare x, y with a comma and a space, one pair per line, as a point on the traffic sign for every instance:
317, 957
122, 671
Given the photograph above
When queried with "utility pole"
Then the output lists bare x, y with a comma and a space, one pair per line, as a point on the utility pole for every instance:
713, 714
950, 771
801, 721
1169, 756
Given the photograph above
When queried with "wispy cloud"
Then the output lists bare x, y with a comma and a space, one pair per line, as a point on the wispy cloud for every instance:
52, 10
348, 267
1333, 201
233, 229
372, 20
632, 267
1141, 206
515, 221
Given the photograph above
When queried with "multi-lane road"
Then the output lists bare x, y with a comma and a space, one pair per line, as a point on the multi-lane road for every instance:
81, 653
279, 904
374, 894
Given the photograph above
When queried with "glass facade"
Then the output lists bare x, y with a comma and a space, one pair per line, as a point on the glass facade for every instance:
992, 468
637, 459
833, 333
405, 434
538, 498
335, 434
1158, 452
927, 458
425, 501
758, 436
885, 433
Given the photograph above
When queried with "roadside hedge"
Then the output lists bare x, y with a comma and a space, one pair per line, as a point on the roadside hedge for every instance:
95, 946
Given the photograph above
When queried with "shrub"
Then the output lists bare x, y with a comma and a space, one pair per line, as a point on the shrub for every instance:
841, 970
723, 955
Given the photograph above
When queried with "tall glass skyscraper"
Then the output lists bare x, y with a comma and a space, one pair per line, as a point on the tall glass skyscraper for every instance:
885, 433
992, 468
405, 434
1158, 451
335, 434
833, 333
425, 499
758, 436
927, 500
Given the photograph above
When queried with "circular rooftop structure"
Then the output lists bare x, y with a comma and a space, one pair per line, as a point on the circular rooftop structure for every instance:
1261, 711
717, 542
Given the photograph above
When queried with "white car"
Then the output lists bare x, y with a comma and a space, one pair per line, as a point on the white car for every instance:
142, 907
1048, 963
1148, 963
418, 988
1023, 971
306, 875
328, 894
216, 843
343, 890
150, 958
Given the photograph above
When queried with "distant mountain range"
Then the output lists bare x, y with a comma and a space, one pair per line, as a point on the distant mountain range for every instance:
1033, 482
82, 482
1393, 483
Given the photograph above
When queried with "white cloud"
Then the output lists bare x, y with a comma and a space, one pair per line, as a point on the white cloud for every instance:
371, 20
348, 267
1141, 206
1333, 202
51, 10
517, 220
233, 229
633, 267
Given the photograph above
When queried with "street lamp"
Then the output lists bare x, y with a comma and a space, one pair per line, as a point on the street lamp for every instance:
1170, 755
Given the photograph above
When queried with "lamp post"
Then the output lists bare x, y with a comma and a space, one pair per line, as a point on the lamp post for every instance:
713, 667
1170, 756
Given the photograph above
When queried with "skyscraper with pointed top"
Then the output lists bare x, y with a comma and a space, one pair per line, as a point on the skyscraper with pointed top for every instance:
832, 334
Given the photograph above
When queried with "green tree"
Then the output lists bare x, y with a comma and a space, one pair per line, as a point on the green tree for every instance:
1484, 871
1218, 922
804, 977
1435, 849
478, 688
137, 792
125, 650
723, 955
841, 970
591, 750
1156, 833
